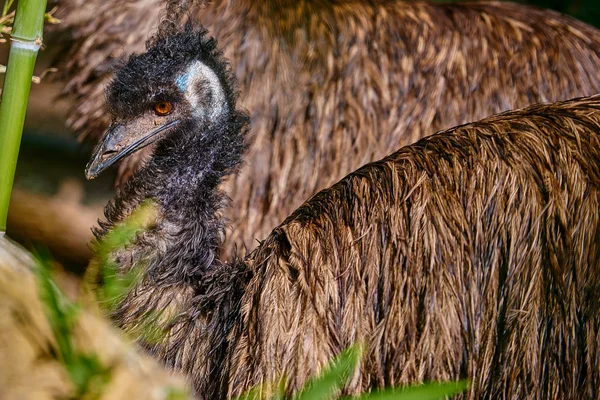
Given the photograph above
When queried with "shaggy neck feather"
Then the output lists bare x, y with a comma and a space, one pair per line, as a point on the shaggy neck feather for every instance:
182, 178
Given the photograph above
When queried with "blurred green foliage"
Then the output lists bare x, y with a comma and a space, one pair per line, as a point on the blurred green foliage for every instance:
116, 284
326, 385
86, 372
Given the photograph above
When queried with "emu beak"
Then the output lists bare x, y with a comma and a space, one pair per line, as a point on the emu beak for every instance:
116, 144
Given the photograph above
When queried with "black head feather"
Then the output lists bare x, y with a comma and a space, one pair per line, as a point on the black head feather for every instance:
150, 76
187, 161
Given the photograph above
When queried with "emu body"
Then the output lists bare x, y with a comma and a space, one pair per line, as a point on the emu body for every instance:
332, 85
470, 254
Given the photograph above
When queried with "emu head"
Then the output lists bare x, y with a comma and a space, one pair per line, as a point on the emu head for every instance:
179, 88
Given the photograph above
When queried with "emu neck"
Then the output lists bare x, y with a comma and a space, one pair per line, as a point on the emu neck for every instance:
189, 295
182, 179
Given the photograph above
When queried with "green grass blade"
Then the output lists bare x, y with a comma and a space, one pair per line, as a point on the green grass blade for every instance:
115, 283
430, 391
85, 371
334, 376
60, 312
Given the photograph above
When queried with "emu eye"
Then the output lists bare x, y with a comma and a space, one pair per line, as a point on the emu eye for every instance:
163, 107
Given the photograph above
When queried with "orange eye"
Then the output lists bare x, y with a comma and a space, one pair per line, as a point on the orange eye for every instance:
163, 107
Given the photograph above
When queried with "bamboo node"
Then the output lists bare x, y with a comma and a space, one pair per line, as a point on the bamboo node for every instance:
33, 45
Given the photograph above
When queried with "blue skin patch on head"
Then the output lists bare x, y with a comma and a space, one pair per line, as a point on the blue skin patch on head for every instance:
181, 81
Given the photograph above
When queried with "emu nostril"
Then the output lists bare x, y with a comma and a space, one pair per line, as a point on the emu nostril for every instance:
108, 154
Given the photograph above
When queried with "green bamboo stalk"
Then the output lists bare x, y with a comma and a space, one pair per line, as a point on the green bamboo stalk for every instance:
26, 41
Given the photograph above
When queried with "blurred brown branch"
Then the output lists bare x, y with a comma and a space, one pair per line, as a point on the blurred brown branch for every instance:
29, 366
60, 222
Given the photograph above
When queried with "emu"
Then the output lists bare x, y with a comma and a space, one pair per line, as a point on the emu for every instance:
334, 84
473, 253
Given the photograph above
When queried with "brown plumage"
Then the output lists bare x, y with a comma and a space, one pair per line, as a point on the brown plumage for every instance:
332, 85
470, 254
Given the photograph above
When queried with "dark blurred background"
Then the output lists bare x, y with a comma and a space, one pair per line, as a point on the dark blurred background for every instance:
585, 10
